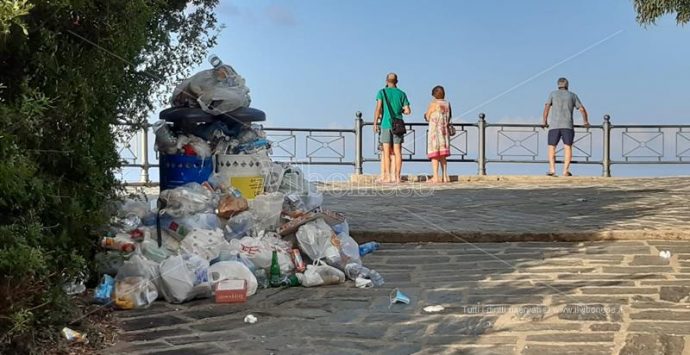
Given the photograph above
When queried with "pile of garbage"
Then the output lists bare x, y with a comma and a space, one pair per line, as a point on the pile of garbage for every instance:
252, 224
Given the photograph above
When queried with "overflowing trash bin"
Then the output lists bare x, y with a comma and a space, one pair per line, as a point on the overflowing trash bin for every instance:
228, 221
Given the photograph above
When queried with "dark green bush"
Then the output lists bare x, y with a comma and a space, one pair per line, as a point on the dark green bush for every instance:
69, 71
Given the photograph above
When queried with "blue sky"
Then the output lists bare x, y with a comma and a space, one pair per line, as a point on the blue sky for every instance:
314, 63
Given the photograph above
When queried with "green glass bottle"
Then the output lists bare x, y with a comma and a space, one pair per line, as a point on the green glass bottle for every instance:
275, 278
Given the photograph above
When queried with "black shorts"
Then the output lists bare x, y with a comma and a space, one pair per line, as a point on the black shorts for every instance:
555, 135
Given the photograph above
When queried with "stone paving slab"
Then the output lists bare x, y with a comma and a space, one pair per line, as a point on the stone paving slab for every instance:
538, 304
501, 209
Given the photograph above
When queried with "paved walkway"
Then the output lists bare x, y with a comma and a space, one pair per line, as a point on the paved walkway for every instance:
517, 209
499, 298
577, 297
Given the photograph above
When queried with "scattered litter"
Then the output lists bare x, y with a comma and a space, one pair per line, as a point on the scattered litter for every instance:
367, 248
74, 336
362, 282
231, 291
665, 254
228, 220
433, 309
398, 296
250, 319
104, 291
581, 200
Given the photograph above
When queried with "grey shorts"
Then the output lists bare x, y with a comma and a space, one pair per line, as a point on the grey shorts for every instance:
387, 137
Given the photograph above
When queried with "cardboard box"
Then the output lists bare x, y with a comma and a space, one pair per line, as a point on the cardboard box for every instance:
231, 291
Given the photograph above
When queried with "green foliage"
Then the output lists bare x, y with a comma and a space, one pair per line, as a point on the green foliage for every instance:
648, 11
69, 71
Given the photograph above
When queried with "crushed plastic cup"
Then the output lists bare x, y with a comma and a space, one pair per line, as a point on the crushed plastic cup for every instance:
398, 296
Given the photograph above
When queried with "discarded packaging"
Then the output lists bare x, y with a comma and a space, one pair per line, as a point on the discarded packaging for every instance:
134, 292
104, 292
433, 309
74, 336
665, 254
232, 270
362, 282
367, 248
231, 291
398, 296
230, 206
250, 319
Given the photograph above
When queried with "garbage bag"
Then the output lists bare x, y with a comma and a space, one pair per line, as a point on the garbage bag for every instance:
166, 141
149, 269
134, 292
137, 283
321, 274
266, 210
109, 262
318, 241
204, 243
232, 270
216, 91
132, 207
294, 183
260, 252
200, 221
230, 206
188, 199
349, 250
238, 226
185, 277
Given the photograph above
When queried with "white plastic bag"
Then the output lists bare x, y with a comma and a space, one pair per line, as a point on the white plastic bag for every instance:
266, 210
349, 251
321, 274
318, 241
185, 277
188, 199
204, 243
294, 183
260, 252
238, 226
137, 283
220, 87
232, 270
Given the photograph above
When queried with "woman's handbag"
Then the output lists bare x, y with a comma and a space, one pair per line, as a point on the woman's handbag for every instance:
451, 129
398, 124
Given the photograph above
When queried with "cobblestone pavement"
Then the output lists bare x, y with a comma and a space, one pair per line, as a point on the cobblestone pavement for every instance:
517, 209
613, 297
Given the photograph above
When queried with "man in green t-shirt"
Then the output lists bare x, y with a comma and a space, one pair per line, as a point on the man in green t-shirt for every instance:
400, 106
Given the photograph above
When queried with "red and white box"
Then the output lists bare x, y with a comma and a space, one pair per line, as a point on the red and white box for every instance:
231, 291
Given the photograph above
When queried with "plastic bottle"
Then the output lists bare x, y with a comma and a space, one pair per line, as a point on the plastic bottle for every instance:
291, 281
367, 248
117, 244
354, 270
275, 278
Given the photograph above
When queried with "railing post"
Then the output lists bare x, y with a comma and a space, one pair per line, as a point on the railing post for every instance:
144, 178
607, 147
481, 159
359, 123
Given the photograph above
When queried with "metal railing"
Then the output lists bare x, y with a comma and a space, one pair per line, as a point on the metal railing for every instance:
512, 143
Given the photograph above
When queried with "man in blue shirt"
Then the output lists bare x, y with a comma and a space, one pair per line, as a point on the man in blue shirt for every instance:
561, 104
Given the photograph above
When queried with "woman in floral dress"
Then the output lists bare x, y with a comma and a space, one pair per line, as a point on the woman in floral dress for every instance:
438, 115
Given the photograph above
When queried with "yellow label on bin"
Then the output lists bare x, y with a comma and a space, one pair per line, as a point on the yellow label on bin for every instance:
249, 186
